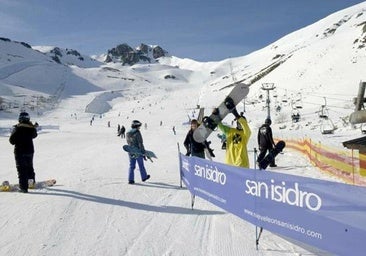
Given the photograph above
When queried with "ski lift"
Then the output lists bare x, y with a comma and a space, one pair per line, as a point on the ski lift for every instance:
327, 126
295, 117
284, 97
323, 112
298, 103
299, 106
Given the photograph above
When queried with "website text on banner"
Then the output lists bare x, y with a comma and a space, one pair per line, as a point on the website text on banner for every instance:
327, 215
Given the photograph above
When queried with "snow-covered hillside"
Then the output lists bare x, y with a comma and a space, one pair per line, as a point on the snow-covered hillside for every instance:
93, 211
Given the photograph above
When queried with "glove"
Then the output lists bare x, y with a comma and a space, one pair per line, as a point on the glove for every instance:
145, 158
188, 153
235, 113
210, 150
215, 111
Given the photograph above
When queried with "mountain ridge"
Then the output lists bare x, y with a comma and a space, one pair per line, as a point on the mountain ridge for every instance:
327, 57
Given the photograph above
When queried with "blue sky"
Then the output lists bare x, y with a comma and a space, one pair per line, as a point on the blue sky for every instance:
204, 30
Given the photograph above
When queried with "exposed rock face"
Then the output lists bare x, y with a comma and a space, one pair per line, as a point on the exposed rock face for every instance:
130, 56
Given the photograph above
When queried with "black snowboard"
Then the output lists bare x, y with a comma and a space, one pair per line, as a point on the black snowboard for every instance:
263, 164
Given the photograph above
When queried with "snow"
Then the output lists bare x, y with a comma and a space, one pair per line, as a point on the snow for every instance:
93, 211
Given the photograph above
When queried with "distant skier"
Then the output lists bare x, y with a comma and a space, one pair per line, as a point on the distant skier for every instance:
134, 138
237, 140
122, 132
174, 131
22, 137
265, 141
193, 147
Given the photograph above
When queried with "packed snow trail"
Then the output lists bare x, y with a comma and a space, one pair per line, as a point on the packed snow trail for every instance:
93, 211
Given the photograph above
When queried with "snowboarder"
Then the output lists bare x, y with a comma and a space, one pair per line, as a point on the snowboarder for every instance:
134, 138
22, 137
265, 141
122, 132
193, 147
236, 141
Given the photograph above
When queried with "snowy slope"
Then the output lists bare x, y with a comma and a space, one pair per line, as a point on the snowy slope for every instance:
93, 211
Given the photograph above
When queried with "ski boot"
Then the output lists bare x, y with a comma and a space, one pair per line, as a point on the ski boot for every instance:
31, 184
209, 123
229, 103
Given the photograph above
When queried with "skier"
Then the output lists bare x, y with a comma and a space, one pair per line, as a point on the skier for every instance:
174, 131
118, 129
196, 148
237, 140
122, 132
22, 137
134, 138
265, 141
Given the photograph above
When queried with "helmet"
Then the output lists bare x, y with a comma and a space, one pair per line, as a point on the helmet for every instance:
268, 121
135, 124
23, 117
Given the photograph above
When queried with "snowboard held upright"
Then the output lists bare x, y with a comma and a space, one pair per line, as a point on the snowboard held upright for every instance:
263, 164
209, 123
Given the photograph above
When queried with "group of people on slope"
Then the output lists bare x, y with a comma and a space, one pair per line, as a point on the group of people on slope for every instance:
236, 141
25, 131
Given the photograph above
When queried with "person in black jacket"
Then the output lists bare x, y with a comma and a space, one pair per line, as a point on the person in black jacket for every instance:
193, 147
265, 141
121, 132
22, 137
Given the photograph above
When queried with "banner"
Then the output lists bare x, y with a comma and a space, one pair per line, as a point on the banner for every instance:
323, 214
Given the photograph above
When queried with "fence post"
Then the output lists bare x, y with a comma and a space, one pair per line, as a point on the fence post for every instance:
353, 167
180, 164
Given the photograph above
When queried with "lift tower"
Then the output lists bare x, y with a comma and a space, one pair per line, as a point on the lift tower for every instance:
268, 87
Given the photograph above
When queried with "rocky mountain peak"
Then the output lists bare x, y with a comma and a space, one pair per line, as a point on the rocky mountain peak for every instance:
129, 56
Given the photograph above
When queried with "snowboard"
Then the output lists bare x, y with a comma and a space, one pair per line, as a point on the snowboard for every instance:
135, 152
263, 164
209, 123
7, 187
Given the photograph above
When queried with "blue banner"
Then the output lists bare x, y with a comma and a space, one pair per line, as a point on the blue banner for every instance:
324, 214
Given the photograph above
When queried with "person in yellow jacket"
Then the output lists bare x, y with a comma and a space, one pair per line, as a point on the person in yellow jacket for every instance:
236, 141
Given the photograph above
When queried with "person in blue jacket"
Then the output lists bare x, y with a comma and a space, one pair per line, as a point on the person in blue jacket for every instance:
134, 139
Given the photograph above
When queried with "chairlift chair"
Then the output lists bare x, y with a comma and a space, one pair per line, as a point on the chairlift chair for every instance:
327, 126
323, 112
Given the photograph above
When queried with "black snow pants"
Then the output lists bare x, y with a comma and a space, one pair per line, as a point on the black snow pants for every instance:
24, 164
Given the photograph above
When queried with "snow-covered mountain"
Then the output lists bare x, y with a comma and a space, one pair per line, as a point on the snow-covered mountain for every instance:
323, 60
